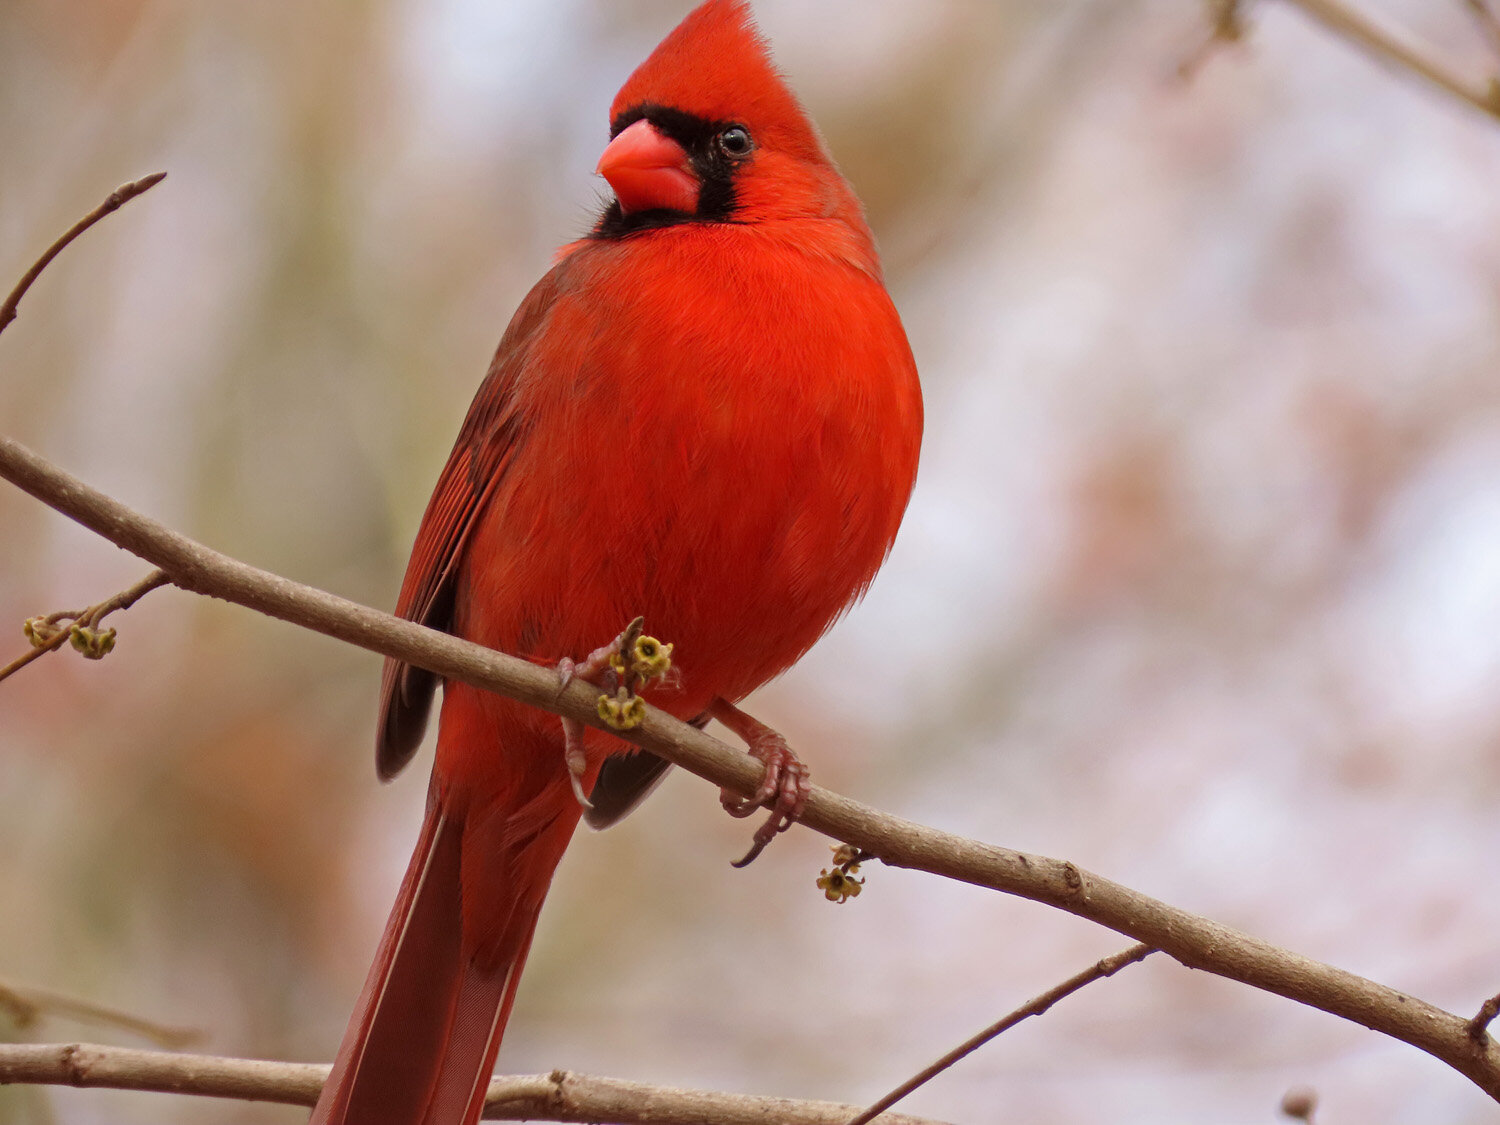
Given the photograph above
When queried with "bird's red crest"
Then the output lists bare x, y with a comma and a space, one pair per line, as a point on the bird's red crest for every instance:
715, 65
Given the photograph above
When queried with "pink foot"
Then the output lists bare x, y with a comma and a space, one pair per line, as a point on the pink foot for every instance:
593, 666
783, 788
619, 667
598, 661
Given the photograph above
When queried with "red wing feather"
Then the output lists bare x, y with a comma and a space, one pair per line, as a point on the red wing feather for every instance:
475, 468
427, 598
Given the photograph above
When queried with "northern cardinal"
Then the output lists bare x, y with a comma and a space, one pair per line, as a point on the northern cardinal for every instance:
705, 414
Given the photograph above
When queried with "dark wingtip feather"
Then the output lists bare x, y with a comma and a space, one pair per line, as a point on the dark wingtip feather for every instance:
405, 703
624, 782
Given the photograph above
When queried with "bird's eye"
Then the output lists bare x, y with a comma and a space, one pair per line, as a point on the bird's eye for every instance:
735, 141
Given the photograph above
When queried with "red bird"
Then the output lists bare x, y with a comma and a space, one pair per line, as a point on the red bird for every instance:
706, 414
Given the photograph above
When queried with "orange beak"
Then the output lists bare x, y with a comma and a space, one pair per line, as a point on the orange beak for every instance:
649, 171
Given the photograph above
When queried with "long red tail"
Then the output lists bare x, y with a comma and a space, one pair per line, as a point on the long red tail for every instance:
421, 1044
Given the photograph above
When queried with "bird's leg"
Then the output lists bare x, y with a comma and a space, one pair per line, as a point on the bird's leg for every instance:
574, 758
628, 661
600, 659
784, 787
593, 666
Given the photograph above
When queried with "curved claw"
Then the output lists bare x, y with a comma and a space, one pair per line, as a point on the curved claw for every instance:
575, 760
622, 713
783, 788
763, 836
757, 846
583, 798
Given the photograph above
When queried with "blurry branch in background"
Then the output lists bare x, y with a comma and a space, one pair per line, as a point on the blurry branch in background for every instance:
1226, 24
1107, 967
559, 1096
27, 1004
1194, 941
1395, 45
117, 199
1386, 43
48, 633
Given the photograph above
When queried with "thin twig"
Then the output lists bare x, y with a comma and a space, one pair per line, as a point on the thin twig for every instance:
117, 199
1478, 1028
1035, 1007
1193, 940
28, 1004
91, 617
559, 1096
1394, 45
36, 652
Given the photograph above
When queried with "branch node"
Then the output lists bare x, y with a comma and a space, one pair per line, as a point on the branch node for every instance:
1072, 878
72, 1069
1478, 1028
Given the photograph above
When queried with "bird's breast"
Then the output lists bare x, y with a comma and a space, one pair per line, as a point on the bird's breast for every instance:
721, 439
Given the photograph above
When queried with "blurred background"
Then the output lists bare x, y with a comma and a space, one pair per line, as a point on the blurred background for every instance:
1200, 587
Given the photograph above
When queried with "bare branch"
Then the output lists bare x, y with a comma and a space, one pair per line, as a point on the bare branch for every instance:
559, 1096
117, 199
27, 1004
54, 635
1394, 45
1108, 967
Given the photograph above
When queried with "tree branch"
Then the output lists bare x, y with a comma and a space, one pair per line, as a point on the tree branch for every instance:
47, 634
1393, 45
1106, 967
559, 1096
116, 199
27, 1004
1194, 941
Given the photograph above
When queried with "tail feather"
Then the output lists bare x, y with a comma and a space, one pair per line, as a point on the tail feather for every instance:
422, 1041
479, 1017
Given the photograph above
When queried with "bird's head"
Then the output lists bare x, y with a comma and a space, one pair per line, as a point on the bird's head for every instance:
707, 130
